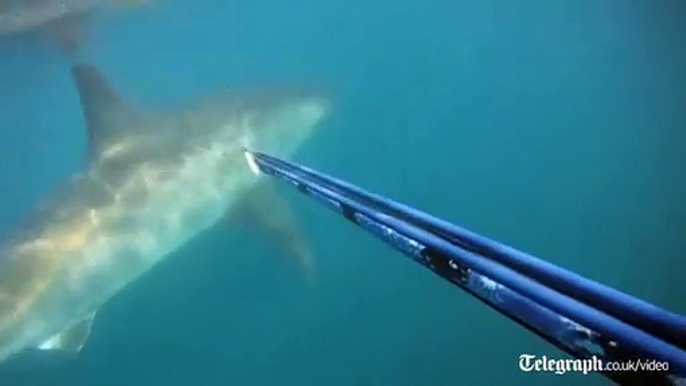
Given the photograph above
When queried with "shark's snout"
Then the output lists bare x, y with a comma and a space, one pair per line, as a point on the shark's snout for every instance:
315, 109
284, 125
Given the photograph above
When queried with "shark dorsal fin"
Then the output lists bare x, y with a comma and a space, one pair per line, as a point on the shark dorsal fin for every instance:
108, 118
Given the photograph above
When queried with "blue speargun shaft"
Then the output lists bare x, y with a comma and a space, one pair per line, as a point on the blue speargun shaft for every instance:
578, 315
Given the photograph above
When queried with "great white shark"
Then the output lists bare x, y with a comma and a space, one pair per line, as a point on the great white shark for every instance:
62, 20
154, 180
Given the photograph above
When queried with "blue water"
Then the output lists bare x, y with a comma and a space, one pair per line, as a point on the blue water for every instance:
557, 127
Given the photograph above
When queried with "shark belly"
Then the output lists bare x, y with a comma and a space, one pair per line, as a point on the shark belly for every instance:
127, 240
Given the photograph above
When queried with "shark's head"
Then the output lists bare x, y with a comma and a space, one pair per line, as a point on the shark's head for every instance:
279, 124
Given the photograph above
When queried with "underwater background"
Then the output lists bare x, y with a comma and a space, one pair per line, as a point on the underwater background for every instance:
557, 127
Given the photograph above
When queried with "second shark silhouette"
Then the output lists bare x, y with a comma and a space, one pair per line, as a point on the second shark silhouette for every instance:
62, 21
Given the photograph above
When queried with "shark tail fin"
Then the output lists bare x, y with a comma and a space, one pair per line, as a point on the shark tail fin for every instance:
107, 116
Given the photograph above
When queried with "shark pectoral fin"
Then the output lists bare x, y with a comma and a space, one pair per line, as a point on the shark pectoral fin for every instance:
269, 213
72, 339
